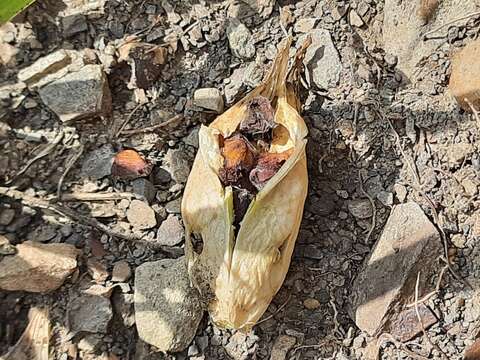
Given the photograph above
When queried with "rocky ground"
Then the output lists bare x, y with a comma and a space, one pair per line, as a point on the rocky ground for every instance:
393, 159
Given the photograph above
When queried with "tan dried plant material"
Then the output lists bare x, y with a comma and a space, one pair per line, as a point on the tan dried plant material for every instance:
34, 342
145, 61
426, 9
241, 216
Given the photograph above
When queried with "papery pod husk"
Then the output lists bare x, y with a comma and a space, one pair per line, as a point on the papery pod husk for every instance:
238, 277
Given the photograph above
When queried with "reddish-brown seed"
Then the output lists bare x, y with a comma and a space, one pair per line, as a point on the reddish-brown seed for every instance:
129, 165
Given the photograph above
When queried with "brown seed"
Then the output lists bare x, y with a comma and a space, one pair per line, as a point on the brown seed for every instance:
129, 165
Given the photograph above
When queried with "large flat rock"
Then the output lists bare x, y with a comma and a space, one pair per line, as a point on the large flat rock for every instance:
80, 94
167, 310
37, 267
409, 244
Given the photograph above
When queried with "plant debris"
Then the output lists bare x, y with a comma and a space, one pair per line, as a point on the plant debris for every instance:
248, 164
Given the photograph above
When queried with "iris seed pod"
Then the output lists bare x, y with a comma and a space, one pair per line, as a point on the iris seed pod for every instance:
239, 270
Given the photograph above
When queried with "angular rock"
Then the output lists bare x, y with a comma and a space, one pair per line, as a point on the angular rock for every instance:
305, 25
121, 271
322, 60
145, 189
89, 313
209, 98
240, 39
406, 326
404, 29
167, 310
140, 215
81, 94
177, 165
97, 271
409, 244
360, 208
311, 304
37, 267
8, 55
355, 19
98, 163
463, 85
44, 66
170, 232
74, 24
6, 216
5, 247
283, 344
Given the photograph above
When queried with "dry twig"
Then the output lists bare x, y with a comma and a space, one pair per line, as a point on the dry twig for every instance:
385, 337
69, 166
102, 196
151, 128
420, 320
417, 187
47, 150
450, 23
63, 211
276, 312
374, 209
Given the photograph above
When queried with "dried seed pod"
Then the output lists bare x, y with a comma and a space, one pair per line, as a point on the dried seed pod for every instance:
129, 165
238, 265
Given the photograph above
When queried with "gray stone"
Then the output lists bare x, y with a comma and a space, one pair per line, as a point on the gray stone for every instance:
304, 25
240, 39
170, 232
234, 84
74, 24
283, 344
360, 208
209, 98
385, 197
90, 343
192, 138
145, 189
177, 165
44, 66
37, 267
6, 216
98, 163
167, 310
355, 19
89, 313
408, 245
322, 60
5, 247
174, 206
121, 271
140, 215
80, 94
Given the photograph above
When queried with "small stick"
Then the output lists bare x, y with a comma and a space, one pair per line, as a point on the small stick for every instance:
474, 111
374, 209
434, 292
417, 187
69, 166
425, 334
103, 196
47, 150
151, 128
276, 312
127, 120
385, 337
63, 211
450, 23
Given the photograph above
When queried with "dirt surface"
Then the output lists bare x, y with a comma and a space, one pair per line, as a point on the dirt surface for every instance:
376, 138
